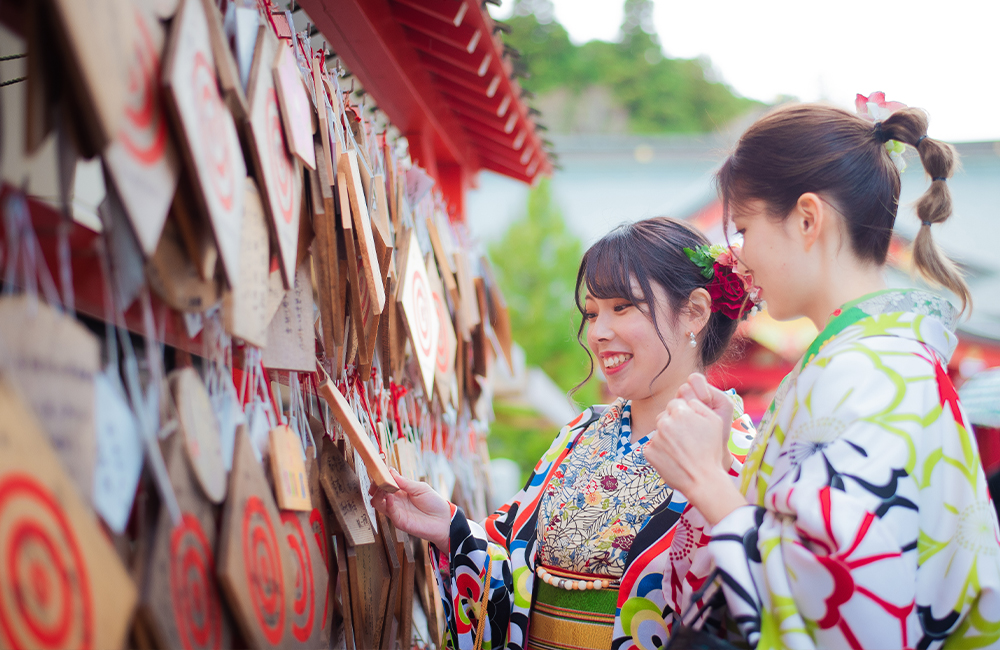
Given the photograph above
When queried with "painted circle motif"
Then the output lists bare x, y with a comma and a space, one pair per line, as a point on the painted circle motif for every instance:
442, 362
319, 530
211, 116
144, 134
281, 166
193, 594
422, 306
45, 599
304, 597
262, 564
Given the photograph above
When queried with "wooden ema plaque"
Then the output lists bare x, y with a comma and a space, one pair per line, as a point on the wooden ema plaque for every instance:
54, 359
390, 624
319, 524
325, 156
245, 308
353, 269
96, 38
323, 267
195, 232
174, 278
421, 315
404, 549
444, 355
225, 63
288, 469
380, 219
291, 336
447, 274
181, 602
377, 469
344, 591
277, 170
368, 573
142, 159
208, 137
311, 580
343, 491
62, 584
200, 430
348, 165
255, 564
296, 113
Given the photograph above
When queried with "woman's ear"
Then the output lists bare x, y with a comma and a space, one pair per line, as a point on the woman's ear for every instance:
810, 216
699, 310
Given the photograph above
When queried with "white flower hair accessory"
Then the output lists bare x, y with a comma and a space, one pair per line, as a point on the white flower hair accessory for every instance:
874, 108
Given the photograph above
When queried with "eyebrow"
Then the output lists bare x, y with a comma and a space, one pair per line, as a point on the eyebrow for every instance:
589, 297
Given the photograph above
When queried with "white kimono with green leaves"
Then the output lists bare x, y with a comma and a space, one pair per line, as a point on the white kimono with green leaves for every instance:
869, 524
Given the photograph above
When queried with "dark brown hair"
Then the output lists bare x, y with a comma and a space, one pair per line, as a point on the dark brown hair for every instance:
816, 148
651, 250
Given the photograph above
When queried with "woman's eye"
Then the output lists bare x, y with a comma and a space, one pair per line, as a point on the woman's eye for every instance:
741, 232
623, 306
589, 315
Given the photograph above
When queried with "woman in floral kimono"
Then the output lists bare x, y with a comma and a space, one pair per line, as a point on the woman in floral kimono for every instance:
660, 303
862, 517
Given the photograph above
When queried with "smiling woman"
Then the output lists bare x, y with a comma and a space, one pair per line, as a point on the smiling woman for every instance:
575, 558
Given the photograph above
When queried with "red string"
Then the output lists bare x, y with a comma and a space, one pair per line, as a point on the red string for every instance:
396, 393
360, 388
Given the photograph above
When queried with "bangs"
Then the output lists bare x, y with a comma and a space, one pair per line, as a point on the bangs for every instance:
608, 269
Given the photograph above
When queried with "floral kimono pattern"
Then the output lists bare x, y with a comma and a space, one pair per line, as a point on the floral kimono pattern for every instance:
869, 523
591, 505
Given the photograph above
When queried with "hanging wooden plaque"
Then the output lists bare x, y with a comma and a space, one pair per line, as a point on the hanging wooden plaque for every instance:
96, 38
321, 263
348, 165
444, 356
421, 315
195, 231
377, 469
54, 360
350, 261
468, 304
328, 159
380, 219
207, 134
296, 113
344, 590
181, 602
394, 576
142, 159
368, 570
344, 494
404, 549
310, 579
290, 336
321, 531
200, 430
174, 277
277, 170
245, 309
446, 266
288, 469
62, 584
225, 62
255, 567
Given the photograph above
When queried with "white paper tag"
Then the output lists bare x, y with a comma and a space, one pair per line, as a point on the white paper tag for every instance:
119, 454
359, 468
194, 323
260, 429
230, 416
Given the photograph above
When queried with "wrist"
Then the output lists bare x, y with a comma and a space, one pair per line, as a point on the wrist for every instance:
715, 496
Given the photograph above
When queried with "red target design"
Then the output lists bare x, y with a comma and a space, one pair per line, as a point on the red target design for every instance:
193, 594
319, 530
145, 131
442, 349
422, 312
262, 563
211, 117
281, 165
45, 599
304, 598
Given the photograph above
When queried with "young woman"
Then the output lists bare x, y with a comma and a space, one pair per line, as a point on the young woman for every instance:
862, 519
557, 552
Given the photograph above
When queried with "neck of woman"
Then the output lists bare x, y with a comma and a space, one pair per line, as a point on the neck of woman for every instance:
850, 282
645, 410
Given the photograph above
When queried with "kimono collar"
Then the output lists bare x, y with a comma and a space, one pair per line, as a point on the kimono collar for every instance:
934, 322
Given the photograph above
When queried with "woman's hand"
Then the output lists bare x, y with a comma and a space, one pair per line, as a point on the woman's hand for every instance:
416, 509
684, 449
698, 388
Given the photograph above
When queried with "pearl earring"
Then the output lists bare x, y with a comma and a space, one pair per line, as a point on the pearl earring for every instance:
693, 342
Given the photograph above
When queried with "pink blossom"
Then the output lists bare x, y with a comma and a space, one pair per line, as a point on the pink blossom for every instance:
874, 108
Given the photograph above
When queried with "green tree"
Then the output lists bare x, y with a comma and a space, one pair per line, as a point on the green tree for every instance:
661, 95
536, 263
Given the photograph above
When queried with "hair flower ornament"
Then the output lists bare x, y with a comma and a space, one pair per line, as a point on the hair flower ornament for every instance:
729, 289
874, 108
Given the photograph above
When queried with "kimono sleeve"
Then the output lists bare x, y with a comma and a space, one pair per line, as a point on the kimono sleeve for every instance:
507, 537
828, 557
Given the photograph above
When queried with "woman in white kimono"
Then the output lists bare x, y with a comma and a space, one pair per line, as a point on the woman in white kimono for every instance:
861, 518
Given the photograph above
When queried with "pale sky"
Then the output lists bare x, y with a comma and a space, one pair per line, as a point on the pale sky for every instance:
943, 56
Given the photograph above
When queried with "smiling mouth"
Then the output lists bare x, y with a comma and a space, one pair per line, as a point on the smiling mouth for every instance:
615, 361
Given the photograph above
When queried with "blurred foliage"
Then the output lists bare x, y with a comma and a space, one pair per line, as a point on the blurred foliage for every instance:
661, 95
536, 263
